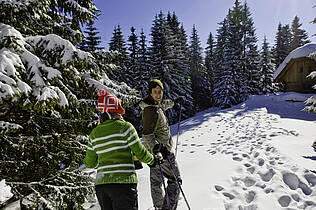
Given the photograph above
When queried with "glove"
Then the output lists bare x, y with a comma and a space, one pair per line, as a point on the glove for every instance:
137, 163
156, 160
160, 148
179, 181
156, 149
179, 100
165, 152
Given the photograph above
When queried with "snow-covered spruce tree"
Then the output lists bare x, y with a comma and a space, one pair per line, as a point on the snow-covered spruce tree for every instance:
140, 71
201, 88
144, 66
157, 49
224, 88
234, 60
181, 58
118, 45
266, 68
41, 17
91, 42
133, 79
210, 62
299, 37
133, 47
130, 69
169, 64
47, 102
282, 45
181, 65
311, 101
250, 54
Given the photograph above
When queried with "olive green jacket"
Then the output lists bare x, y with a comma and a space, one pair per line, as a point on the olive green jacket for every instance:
155, 123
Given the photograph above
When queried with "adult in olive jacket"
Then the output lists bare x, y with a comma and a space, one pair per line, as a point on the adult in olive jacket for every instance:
156, 132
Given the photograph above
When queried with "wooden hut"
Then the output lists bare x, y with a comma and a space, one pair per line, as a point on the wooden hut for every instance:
295, 68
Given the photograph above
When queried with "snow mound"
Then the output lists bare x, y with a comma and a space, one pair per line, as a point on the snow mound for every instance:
5, 192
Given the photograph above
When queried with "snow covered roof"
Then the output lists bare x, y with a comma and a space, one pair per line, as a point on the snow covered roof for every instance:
299, 52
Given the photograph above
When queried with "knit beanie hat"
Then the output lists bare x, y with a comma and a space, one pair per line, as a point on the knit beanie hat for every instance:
108, 102
154, 83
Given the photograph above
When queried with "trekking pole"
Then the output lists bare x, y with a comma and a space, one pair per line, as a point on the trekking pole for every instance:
164, 185
178, 132
174, 175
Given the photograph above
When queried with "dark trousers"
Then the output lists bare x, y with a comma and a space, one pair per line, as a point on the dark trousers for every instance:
157, 192
117, 196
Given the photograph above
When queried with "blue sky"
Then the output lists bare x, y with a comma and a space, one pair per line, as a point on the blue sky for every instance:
205, 14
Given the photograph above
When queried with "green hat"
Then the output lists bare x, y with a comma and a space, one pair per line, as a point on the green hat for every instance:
154, 83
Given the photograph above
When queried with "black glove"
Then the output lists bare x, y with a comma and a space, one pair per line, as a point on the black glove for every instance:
162, 149
165, 152
157, 160
179, 181
179, 100
138, 165
156, 149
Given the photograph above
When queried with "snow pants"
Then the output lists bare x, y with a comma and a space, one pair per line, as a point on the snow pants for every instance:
117, 196
173, 191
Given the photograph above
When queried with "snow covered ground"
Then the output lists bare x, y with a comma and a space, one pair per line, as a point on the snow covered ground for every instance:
256, 155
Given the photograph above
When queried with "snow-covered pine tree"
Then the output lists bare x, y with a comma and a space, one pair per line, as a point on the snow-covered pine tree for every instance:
118, 43
179, 64
224, 88
168, 66
91, 42
133, 47
235, 56
158, 44
266, 68
63, 18
299, 37
201, 88
131, 66
210, 62
47, 102
282, 44
311, 101
195, 53
250, 53
144, 73
133, 79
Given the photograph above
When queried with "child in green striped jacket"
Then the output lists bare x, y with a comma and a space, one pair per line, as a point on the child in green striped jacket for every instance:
110, 150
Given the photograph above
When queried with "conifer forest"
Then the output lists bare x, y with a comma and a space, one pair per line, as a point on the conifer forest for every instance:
52, 64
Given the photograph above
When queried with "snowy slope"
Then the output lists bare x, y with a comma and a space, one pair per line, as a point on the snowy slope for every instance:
256, 155
247, 157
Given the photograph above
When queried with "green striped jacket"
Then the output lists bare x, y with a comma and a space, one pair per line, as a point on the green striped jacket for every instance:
110, 149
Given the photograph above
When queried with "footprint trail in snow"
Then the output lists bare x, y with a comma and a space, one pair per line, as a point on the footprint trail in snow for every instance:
263, 172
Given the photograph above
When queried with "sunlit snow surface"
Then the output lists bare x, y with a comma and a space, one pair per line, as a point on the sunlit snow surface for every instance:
256, 155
